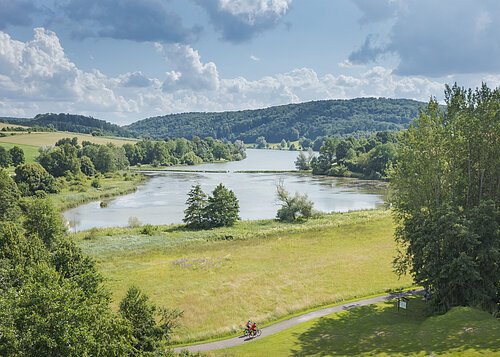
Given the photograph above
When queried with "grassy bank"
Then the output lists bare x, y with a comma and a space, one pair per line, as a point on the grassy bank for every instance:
262, 270
380, 330
74, 195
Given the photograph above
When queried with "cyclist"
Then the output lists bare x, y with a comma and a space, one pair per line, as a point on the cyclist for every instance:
248, 326
254, 328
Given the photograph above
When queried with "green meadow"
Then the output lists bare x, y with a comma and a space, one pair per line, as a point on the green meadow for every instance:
263, 270
382, 330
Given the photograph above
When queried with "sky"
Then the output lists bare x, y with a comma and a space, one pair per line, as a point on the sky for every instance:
125, 60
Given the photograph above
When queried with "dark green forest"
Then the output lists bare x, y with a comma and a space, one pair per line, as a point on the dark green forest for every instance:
79, 124
72, 123
289, 122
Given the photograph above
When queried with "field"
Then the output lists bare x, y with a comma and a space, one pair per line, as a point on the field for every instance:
5, 125
50, 138
30, 151
380, 330
263, 270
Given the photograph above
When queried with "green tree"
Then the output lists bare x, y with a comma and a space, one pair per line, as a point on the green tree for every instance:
303, 161
194, 214
283, 145
17, 155
43, 220
222, 208
32, 177
87, 166
446, 196
5, 159
9, 198
261, 142
151, 326
292, 207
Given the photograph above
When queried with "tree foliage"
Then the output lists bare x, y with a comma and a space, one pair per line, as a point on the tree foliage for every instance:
194, 214
17, 156
151, 326
446, 185
218, 210
290, 122
292, 207
32, 177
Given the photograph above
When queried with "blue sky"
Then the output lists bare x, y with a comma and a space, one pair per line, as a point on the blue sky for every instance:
124, 60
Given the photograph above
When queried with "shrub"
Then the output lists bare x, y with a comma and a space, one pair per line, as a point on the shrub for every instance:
134, 222
149, 229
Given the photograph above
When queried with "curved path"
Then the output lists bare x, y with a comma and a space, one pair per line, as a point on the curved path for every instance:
283, 325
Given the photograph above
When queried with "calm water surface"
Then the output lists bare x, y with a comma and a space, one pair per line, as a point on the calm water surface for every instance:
161, 199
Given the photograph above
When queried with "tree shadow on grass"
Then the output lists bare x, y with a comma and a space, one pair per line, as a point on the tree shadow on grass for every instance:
383, 329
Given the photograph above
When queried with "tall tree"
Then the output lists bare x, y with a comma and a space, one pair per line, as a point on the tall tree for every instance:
17, 155
222, 207
446, 185
194, 214
5, 159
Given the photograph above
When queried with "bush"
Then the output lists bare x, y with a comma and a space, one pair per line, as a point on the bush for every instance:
149, 229
134, 222
292, 207
96, 183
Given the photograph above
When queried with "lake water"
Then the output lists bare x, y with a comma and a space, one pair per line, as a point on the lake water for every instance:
161, 199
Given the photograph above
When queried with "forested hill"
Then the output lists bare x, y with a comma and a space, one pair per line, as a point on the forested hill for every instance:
79, 124
289, 122
73, 123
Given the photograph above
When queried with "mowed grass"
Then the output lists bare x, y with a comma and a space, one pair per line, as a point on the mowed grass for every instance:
50, 138
263, 270
380, 330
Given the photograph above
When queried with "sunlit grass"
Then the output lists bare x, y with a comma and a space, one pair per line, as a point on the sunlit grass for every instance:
262, 270
50, 138
30, 152
380, 330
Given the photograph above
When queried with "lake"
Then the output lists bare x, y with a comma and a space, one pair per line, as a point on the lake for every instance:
161, 199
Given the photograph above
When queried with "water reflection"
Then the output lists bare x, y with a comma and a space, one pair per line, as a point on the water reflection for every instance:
161, 199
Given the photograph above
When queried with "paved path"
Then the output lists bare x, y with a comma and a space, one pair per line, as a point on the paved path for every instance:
283, 325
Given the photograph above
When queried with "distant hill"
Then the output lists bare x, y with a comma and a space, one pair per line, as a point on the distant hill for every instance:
289, 122
73, 123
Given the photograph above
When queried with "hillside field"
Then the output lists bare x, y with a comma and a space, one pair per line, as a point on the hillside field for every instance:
263, 270
50, 138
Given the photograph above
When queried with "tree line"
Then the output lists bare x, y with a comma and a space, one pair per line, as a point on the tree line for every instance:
289, 122
69, 160
368, 157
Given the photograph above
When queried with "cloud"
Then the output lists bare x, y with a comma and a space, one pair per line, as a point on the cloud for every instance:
254, 58
137, 79
434, 38
38, 74
188, 70
16, 12
241, 20
145, 20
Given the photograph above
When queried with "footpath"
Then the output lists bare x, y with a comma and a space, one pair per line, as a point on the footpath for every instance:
283, 325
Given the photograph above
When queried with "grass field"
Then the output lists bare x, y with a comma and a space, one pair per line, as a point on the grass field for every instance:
380, 330
50, 138
262, 270
7, 125
30, 151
